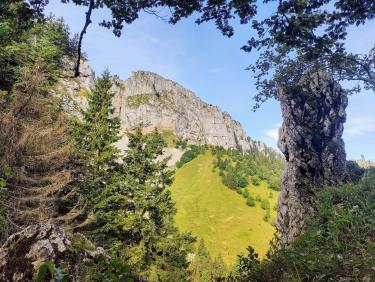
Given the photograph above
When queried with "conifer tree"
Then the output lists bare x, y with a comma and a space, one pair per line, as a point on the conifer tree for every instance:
98, 130
134, 213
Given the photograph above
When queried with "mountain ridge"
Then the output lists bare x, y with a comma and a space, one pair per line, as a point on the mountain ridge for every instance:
148, 100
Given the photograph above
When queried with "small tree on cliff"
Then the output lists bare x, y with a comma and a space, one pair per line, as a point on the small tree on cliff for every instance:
96, 133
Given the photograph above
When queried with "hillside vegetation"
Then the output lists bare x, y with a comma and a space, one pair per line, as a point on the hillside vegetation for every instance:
220, 216
337, 246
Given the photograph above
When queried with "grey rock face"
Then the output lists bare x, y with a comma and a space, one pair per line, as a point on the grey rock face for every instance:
24, 252
148, 100
311, 140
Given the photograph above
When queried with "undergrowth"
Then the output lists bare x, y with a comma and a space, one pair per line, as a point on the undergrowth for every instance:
339, 245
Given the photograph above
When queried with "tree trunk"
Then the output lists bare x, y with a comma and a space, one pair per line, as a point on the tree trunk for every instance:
311, 140
87, 23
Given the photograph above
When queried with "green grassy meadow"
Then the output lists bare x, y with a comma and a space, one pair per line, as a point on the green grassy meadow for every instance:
220, 216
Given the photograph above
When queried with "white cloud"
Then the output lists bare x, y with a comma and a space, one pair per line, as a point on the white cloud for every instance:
273, 132
359, 126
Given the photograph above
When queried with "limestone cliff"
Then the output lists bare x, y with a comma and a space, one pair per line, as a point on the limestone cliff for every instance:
148, 100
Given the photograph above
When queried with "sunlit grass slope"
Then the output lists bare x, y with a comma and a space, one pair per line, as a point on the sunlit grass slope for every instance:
217, 214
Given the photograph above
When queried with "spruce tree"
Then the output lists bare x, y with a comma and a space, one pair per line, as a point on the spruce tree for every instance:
134, 213
97, 131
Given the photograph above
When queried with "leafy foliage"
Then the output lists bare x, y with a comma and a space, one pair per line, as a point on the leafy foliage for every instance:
250, 201
303, 34
338, 244
29, 37
180, 143
236, 168
265, 204
125, 12
113, 270
204, 269
49, 272
190, 154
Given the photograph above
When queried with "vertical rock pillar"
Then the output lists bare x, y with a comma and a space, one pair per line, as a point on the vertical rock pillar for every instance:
311, 140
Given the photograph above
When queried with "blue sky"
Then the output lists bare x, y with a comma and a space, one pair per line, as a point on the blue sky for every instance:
212, 66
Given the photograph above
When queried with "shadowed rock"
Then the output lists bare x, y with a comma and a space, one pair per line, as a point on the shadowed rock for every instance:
311, 140
24, 252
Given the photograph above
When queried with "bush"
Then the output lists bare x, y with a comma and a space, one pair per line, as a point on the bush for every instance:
250, 201
189, 155
242, 181
258, 198
245, 193
267, 215
255, 180
180, 143
265, 204
274, 182
222, 164
338, 244
354, 171
230, 180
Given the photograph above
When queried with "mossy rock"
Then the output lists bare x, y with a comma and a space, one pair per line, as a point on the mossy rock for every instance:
135, 101
83, 92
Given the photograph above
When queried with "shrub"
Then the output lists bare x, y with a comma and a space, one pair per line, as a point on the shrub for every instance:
354, 171
245, 193
250, 201
135, 101
274, 182
265, 204
222, 164
242, 181
338, 244
267, 215
230, 180
180, 143
258, 198
255, 180
189, 155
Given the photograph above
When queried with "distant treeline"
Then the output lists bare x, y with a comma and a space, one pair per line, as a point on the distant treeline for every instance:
236, 168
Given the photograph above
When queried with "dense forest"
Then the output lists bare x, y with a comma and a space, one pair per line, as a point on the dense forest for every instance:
65, 170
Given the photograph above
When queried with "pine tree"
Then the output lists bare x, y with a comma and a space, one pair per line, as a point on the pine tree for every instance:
96, 133
135, 212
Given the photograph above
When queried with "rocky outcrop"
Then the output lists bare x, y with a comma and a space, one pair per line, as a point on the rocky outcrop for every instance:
24, 252
148, 100
311, 140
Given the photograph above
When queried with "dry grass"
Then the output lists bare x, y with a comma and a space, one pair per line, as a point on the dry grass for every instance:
34, 144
